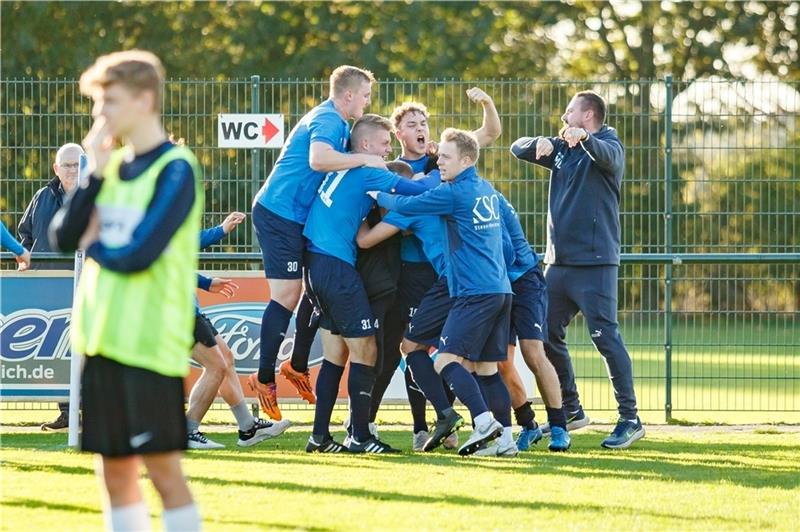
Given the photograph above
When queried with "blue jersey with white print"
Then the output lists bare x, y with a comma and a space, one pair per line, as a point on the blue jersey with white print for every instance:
472, 229
524, 257
427, 231
339, 208
292, 184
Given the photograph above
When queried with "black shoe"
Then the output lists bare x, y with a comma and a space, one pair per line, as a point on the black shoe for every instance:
327, 445
442, 429
60, 424
372, 445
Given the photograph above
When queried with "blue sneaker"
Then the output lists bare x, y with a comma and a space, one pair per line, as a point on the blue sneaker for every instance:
559, 440
528, 437
625, 433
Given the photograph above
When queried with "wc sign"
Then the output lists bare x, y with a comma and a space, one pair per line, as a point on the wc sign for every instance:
249, 131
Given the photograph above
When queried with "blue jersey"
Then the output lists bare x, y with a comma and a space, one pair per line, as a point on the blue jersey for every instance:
524, 257
470, 222
411, 249
339, 208
292, 184
427, 231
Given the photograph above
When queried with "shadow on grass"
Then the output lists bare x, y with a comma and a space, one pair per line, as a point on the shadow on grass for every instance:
36, 504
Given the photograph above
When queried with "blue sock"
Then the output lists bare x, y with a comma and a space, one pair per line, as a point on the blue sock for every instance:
327, 390
497, 397
428, 381
465, 388
359, 387
274, 323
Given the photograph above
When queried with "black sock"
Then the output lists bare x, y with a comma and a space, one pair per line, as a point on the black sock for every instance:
305, 330
497, 398
359, 387
465, 388
417, 401
274, 323
556, 417
524, 415
429, 382
327, 390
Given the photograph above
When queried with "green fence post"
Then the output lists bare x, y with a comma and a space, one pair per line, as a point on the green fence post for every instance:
668, 246
255, 159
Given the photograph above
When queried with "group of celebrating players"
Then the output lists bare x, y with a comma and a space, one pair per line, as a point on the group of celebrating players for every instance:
386, 259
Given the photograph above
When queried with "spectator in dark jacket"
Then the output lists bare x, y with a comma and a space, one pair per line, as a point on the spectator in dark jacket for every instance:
36, 221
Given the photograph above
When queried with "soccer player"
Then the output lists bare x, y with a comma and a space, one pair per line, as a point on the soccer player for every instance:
133, 312
477, 326
316, 145
347, 321
586, 163
21, 255
528, 324
219, 371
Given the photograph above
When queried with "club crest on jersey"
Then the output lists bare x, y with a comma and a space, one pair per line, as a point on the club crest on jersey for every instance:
486, 211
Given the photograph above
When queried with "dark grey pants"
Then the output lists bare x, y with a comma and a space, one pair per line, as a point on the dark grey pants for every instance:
592, 290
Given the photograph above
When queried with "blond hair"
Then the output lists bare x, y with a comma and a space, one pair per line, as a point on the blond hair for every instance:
347, 77
136, 70
403, 109
366, 125
465, 141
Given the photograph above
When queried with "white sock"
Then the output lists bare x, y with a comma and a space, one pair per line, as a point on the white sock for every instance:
507, 436
482, 419
132, 517
182, 519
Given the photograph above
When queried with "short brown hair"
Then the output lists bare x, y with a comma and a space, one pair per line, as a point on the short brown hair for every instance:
403, 109
594, 102
401, 168
137, 70
465, 141
366, 125
347, 77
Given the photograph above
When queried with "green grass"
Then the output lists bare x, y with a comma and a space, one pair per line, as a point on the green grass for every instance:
677, 478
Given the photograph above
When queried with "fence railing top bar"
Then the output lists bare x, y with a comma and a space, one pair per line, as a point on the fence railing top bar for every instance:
625, 258
263, 78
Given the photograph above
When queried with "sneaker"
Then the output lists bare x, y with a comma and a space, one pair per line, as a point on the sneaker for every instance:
559, 440
575, 420
300, 380
451, 442
481, 435
60, 424
498, 449
198, 440
328, 445
419, 439
442, 429
528, 437
262, 430
371, 446
624, 434
267, 396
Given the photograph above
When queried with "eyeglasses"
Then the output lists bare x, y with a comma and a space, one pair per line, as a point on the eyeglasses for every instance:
73, 166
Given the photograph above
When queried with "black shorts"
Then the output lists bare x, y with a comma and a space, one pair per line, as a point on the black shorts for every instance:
416, 278
204, 331
428, 320
529, 307
282, 244
477, 328
129, 411
338, 292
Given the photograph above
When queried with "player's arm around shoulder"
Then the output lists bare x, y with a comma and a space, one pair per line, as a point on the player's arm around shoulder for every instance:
368, 237
322, 157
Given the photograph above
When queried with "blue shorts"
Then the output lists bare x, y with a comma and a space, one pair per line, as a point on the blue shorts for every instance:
529, 307
338, 292
477, 328
416, 278
282, 244
427, 322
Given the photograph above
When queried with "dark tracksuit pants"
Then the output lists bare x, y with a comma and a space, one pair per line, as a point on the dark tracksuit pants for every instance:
592, 290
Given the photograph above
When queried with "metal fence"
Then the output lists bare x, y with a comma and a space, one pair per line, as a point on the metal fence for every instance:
712, 175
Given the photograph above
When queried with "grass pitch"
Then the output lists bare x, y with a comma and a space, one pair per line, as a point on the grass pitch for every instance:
676, 478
